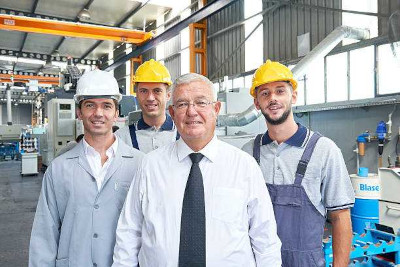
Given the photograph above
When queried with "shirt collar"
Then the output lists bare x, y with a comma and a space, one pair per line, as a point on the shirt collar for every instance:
295, 140
168, 124
111, 151
210, 151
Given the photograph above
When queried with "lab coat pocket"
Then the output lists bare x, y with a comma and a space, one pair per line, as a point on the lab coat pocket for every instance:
227, 204
62, 262
121, 190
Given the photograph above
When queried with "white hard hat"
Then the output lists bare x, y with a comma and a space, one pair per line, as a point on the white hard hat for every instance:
95, 84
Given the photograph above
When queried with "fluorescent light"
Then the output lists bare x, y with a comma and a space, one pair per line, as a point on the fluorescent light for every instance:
60, 64
31, 61
157, 2
8, 58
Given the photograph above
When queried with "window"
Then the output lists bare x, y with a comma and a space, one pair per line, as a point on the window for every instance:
315, 92
388, 69
185, 62
358, 20
160, 47
362, 73
300, 92
254, 45
336, 77
248, 81
238, 82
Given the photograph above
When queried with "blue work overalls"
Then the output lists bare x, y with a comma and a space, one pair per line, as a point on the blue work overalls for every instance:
300, 225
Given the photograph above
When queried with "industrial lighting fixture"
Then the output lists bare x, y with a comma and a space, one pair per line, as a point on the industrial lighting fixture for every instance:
84, 15
8, 58
31, 61
55, 53
48, 63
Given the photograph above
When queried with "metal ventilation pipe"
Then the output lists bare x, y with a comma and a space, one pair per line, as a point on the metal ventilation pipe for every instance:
9, 114
239, 119
321, 50
326, 45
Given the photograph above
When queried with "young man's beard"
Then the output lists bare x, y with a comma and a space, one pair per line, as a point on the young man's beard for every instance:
280, 120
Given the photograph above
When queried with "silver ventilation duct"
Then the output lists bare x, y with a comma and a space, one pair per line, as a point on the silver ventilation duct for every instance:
321, 50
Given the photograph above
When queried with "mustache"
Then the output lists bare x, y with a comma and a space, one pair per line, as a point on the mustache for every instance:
273, 104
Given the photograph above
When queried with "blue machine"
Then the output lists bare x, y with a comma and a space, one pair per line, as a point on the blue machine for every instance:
8, 150
366, 247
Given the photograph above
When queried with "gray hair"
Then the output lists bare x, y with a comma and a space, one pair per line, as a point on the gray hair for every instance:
191, 77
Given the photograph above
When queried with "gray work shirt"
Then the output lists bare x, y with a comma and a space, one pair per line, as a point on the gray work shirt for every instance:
75, 222
148, 138
326, 181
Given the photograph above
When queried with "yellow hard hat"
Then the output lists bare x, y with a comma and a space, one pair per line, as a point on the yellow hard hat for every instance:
270, 72
152, 72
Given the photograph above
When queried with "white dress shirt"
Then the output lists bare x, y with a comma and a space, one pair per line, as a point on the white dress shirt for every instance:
94, 159
240, 222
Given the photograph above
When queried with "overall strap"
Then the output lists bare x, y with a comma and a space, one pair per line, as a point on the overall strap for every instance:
257, 147
132, 131
305, 158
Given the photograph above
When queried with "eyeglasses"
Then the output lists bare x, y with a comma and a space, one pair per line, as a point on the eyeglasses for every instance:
198, 104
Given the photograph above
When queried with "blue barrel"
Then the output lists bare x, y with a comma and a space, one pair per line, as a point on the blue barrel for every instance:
364, 213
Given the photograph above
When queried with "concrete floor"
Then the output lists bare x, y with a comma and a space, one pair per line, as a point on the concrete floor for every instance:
18, 199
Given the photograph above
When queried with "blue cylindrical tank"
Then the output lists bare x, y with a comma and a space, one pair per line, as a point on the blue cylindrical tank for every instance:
366, 206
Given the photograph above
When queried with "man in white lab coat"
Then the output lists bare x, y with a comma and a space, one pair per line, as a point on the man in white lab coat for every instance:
84, 189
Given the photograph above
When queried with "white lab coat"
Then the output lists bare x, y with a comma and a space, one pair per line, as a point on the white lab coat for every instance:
75, 222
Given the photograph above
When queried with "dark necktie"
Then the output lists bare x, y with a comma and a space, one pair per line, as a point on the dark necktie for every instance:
192, 247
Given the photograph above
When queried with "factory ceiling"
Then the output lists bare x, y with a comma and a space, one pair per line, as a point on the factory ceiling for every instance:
25, 48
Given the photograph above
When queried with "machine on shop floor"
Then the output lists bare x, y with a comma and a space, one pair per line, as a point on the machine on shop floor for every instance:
377, 246
8, 150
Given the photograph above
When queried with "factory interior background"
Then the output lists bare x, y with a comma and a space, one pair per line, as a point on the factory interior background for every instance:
344, 53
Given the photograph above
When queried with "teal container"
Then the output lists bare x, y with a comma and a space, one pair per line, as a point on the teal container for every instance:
364, 213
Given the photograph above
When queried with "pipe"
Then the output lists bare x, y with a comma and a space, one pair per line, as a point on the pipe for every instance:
9, 114
238, 119
326, 45
321, 50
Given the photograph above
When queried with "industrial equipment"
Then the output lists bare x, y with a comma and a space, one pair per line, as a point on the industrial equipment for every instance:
367, 189
233, 101
69, 77
11, 132
389, 203
382, 135
29, 163
61, 126
8, 150
367, 246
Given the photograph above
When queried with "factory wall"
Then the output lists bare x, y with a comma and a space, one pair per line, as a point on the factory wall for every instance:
343, 126
221, 46
287, 22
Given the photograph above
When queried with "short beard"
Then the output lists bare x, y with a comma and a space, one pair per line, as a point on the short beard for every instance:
280, 120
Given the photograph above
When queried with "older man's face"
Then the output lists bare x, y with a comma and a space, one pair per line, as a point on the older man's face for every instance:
195, 113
